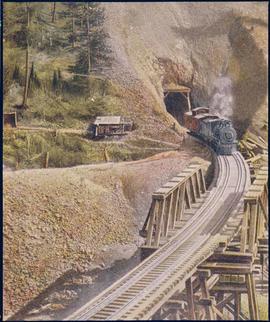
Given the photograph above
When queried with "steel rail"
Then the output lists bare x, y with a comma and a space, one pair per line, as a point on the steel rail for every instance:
235, 200
167, 250
175, 264
167, 257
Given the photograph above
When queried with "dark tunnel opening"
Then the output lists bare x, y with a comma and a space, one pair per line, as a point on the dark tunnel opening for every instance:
176, 105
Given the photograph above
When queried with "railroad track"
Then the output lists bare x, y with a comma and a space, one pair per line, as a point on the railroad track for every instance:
144, 289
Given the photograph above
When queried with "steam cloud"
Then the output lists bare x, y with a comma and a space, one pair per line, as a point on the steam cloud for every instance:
221, 103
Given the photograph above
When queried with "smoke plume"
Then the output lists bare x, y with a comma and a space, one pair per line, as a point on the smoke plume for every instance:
221, 103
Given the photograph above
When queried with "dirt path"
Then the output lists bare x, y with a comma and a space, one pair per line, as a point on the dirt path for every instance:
45, 129
122, 142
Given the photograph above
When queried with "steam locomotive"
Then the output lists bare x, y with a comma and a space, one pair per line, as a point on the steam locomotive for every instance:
214, 131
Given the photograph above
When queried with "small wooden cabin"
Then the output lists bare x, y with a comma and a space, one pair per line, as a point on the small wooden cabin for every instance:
10, 119
111, 125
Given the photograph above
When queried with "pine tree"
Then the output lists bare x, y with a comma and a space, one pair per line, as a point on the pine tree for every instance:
71, 16
55, 81
33, 78
16, 74
54, 12
59, 74
92, 49
21, 30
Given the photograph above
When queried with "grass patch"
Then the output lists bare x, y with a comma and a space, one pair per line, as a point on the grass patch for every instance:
67, 111
262, 304
24, 149
144, 143
28, 150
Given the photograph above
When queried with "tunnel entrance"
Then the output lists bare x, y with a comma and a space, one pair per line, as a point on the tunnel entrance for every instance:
177, 101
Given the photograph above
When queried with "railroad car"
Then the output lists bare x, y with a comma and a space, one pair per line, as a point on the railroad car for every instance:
213, 130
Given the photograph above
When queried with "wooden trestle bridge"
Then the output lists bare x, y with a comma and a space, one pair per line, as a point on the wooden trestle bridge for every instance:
206, 249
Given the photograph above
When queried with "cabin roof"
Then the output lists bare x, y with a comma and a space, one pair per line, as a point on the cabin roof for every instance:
106, 120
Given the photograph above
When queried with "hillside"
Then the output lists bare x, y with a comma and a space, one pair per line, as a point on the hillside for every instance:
193, 44
60, 220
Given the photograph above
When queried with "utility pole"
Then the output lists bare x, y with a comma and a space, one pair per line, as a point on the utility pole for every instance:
27, 74
88, 38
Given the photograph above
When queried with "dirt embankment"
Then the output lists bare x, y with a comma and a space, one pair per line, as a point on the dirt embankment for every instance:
61, 219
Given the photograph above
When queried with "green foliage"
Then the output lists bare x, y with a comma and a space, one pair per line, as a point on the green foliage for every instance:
16, 25
34, 80
91, 40
70, 32
68, 109
55, 81
27, 150
11, 57
16, 74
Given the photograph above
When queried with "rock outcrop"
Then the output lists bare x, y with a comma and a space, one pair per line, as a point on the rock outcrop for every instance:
192, 44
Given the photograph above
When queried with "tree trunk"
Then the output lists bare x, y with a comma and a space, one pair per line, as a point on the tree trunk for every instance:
53, 12
88, 37
27, 74
73, 32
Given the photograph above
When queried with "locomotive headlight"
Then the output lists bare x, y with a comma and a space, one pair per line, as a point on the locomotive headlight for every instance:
228, 135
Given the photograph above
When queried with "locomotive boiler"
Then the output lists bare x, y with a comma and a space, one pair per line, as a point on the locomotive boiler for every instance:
213, 130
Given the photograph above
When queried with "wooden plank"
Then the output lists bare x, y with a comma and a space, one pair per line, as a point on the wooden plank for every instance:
151, 224
220, 298
205, 294
46, 160
252, 227
244, 229
187, 198
262, 146
168, 215
230, 257
260, 223
150, 213
229, 288
192, 189
190, 300
198, 185
237, 305
263, 210
227, 268
219, 315
220, 305
159, 222
181, 203
250, 297
256, 308
175, 206
201, 177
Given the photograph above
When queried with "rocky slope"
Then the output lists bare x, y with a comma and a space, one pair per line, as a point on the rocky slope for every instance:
60, 220
192, 44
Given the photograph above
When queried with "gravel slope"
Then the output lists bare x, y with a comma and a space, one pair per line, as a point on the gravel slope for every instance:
61, 219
